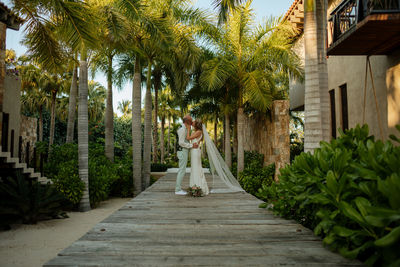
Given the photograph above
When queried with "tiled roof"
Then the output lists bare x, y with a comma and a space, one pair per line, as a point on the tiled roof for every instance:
290, 9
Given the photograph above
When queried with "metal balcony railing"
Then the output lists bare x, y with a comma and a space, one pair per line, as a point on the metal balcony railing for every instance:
350, 12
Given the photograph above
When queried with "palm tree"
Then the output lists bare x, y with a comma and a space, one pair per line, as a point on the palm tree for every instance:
47, 22
112, 32
250, 59
316, 105
125, 107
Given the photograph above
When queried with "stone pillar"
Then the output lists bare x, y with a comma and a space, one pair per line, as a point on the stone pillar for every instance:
269, 135
280, 135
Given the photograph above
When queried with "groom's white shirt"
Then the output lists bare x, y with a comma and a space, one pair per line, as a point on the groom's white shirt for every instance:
182, 138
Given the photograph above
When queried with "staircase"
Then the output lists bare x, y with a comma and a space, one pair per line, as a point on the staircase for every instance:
9, 165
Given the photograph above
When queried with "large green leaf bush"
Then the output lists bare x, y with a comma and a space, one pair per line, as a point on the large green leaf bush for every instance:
28, 201
348, 192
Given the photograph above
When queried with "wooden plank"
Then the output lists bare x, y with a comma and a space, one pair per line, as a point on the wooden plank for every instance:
158, 228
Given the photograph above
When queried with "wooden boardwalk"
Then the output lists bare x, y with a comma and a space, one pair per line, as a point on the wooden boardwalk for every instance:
158, 228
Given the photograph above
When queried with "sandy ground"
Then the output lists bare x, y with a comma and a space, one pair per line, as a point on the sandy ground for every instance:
34, 245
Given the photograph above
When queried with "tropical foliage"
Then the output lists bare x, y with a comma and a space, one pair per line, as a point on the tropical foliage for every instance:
347, 191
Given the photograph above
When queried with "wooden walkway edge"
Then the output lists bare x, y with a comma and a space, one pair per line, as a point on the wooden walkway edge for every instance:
158, 228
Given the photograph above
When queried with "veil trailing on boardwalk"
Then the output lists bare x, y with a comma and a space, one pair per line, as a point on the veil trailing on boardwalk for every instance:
218, 165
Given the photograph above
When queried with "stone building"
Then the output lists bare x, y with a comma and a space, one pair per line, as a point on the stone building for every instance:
363, 61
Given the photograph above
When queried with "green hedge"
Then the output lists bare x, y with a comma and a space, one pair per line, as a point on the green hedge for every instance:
348, 191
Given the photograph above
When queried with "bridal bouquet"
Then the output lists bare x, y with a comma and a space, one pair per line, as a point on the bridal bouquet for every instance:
195, 191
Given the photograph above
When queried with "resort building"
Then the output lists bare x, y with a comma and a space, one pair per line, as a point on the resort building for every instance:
363, 63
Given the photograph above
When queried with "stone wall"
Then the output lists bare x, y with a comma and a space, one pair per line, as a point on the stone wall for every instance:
28, 132
269, 135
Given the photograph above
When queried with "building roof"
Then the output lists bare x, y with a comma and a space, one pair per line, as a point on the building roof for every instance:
9, 18
295, 15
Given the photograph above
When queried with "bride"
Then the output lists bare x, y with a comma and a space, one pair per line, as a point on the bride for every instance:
197, 177
217, 163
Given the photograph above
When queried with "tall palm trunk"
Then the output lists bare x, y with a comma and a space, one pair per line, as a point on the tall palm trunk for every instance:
147, 131
83, 137
52, 117
157, 85
234, 138
109, 118
216, 132
240, 145
162, 143
169, 136
316, 80
40, 123
228, 153
137, 128
72, 106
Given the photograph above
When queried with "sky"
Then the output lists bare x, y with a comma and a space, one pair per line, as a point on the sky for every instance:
262, 9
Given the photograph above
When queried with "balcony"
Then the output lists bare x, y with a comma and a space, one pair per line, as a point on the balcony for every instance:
364, 27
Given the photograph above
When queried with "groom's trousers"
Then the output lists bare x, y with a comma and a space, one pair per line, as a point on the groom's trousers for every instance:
183, 159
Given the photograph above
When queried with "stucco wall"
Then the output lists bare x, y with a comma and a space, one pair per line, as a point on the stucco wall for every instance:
350, 70
12, 106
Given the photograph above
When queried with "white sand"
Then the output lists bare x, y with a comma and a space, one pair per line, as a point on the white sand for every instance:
34, 245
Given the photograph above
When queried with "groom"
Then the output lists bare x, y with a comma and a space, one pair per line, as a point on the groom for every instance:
183, 152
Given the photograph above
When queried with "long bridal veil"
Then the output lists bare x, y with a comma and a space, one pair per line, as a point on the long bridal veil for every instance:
218, 165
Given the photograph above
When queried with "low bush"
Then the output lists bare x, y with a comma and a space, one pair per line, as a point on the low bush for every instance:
105, 177
348, 193
253, 179
255, 175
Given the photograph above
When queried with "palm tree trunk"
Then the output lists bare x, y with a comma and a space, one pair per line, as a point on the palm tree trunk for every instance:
109, 118
72, 106
162, 144
83, 137
240, 147
137, 128
147, 131
228, 153
317, 123
40, 123
52, 117
215, 132
234, 138
169, 136
157, 84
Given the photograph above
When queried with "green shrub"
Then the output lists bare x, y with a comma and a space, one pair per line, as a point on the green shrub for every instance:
254, 178
67, 181
123, 185
348, 192
29, 201
62, 168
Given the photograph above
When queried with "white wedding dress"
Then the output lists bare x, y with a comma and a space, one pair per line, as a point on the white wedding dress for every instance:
227, 183
197, 177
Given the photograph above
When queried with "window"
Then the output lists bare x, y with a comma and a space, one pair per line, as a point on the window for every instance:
345, 112
333, 112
